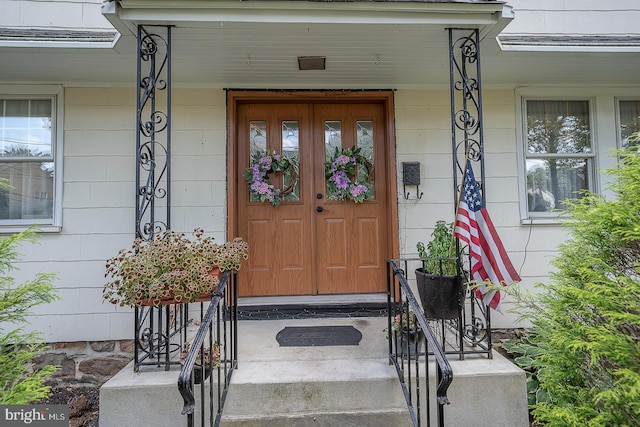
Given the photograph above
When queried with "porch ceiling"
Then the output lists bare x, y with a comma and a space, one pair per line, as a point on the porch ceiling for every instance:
255, 44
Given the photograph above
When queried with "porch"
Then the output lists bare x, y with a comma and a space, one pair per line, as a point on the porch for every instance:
339, 385
373, 382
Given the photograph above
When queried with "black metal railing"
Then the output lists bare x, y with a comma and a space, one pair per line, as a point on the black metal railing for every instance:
160, 334
408, 328
469, 332
217, 340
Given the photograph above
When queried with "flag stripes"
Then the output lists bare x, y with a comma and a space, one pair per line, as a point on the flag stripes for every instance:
489, 260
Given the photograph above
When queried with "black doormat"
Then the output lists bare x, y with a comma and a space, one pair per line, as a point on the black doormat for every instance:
316, 336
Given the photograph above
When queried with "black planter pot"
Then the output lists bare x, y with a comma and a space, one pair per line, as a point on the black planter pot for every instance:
197, 373
410, 344
440, 294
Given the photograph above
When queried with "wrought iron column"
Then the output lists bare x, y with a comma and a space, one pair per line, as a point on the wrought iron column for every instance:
153, 326
467, 141
153, 140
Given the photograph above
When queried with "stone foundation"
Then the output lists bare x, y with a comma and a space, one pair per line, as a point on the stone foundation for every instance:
86, 363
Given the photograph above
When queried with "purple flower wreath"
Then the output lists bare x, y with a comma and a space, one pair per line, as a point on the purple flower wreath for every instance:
343, 180
257, 175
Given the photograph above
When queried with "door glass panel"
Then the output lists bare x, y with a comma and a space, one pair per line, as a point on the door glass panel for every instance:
258, 136
332, 140
291, 152
332, 136
365, 143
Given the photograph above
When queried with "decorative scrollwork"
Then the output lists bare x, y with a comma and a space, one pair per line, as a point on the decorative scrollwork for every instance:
152, 192
475, 332
157, 123
467, 86
149, 46
152, 155
147, 154
468, 48
466, 121
150, 229
471, 149
467, 137
153, 336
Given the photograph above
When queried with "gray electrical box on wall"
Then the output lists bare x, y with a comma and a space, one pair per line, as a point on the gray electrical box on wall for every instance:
411, 173
411, 176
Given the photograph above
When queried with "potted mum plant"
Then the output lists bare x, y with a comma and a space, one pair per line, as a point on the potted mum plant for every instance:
170, 269
405, 328
439, 280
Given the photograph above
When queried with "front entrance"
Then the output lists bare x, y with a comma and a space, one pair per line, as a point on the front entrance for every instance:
317, 240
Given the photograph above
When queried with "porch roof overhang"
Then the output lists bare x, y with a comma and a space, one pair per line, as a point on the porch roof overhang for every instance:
367, 44
256, 44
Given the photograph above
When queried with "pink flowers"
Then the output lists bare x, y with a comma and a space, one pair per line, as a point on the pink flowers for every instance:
341, 180
358, 190
345, 175
257, 175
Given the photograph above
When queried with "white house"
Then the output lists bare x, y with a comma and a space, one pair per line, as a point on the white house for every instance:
68, 131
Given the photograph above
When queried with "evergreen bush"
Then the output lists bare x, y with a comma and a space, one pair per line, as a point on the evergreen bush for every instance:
586, 319
20, 383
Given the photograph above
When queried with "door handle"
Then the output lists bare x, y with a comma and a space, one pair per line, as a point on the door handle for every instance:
319, 209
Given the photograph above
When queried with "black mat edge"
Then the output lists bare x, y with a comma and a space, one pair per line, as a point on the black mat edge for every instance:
311, 311
352, 338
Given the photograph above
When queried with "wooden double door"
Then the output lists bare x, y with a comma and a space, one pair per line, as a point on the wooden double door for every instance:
315, 241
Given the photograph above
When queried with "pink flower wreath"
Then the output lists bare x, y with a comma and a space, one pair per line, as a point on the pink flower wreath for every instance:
342, 175
257, 176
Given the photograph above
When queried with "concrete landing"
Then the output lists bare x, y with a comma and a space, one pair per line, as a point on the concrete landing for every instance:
320, 386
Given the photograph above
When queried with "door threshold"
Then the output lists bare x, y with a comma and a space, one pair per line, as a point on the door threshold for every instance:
312, 306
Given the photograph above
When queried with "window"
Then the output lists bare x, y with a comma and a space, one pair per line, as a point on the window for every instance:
558, 154
629, 121
28, 141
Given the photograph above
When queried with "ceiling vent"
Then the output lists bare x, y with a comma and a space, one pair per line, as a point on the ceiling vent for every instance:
311, 62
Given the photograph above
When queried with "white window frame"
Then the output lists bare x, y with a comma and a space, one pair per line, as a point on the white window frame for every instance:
604, 122
56, 94
618, 100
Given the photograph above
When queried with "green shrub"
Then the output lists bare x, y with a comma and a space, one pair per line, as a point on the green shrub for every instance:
586, 319
438, 255
526, 351
20, 383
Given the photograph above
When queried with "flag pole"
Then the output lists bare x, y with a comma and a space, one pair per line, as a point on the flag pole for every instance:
464, 175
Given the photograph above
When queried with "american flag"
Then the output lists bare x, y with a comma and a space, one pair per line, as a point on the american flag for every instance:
489, 260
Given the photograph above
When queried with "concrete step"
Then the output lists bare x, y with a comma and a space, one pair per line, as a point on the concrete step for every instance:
335, 419
276, 385
326, 385
299, 391
149, 397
